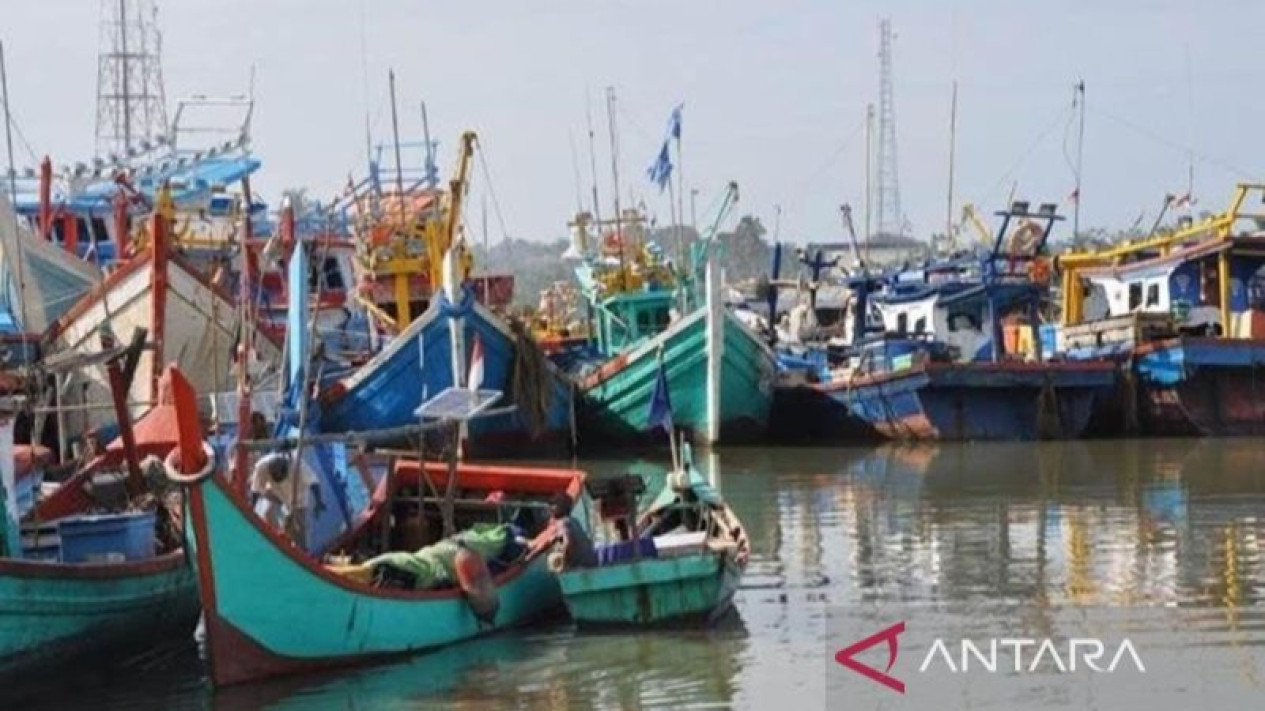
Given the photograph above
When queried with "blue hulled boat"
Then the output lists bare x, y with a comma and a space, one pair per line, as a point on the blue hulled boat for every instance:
953, 351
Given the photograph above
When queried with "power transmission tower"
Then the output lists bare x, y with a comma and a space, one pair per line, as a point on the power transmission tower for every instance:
890, 220
131, 104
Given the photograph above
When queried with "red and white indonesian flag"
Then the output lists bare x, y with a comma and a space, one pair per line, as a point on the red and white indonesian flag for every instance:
474, 376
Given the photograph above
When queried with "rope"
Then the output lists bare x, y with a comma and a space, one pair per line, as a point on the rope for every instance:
496, 203
175, 476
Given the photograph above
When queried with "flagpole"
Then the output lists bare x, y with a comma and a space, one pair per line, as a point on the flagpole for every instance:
671, 424
1080, 157
680, 179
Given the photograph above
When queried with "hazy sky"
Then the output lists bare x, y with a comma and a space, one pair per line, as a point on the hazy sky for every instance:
774, 92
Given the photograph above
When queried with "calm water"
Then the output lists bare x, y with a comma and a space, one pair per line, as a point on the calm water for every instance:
1048, 526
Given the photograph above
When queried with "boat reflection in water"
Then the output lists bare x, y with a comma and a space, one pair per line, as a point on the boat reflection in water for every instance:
1049, 527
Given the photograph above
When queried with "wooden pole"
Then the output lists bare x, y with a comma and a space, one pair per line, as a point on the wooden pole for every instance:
245, 349
159, 279
118, 394
13, 193
953, 134
715, 350
450, 492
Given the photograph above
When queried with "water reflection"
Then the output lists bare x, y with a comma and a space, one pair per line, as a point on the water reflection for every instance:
1046, 526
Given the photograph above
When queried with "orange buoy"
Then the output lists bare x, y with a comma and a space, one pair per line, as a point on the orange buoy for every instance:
476, 583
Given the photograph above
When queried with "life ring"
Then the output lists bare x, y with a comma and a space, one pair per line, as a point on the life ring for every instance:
476, 584
1025, 239
171, 466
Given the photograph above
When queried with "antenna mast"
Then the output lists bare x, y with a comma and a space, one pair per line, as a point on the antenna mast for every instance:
890, 219
131, 102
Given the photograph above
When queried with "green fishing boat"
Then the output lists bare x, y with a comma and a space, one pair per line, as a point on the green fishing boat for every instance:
648, 313
446, 552
683, 561
96, 568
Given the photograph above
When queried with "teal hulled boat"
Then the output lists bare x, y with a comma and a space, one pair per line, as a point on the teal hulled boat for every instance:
53, 612
617, 395
690, 572
647, 314
272, 609
114, 590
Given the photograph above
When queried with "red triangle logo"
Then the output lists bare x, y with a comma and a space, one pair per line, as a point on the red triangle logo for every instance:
847, 657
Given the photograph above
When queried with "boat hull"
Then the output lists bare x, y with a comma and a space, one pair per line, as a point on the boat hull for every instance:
807, 414
1202, 387
54, 613
419, 364
979, 401
271, 612
188, 319
617, 397
651, 591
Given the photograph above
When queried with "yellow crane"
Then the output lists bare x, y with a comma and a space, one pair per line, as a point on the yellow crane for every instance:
971, 216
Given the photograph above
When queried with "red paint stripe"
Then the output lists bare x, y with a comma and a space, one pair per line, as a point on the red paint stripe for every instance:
52, 570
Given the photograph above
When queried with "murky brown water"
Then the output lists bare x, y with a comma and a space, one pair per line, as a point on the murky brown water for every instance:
1050, 526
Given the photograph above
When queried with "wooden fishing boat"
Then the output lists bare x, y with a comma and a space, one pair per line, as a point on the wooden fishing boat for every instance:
707, 349
188, 319
52, 281
951, 349
272, 610
142, 592
1183, 316
683, 561
646, 313
415, 281
455, 337
1010, 400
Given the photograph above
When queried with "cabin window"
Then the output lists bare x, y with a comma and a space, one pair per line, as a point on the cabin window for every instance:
333, 275
1153, 294
644, 323
920, 326
902, 323
1135, 296
661, 318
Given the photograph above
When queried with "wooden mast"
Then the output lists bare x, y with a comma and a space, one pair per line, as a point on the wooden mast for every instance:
245, 348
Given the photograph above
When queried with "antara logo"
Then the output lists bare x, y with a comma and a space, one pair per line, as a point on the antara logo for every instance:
1027, 656
847, 657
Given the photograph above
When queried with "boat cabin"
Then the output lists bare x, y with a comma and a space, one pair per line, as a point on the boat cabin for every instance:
629, 318
1206, 279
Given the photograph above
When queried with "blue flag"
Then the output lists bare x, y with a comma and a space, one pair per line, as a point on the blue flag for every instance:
661, 170
661, 403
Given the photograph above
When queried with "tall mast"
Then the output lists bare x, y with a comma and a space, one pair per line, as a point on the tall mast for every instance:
1079, 99
399, 164
13, 189
953, 134
610, 120
597, 204
432, 171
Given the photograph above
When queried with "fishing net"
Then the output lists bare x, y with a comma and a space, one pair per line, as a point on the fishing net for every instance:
532, 389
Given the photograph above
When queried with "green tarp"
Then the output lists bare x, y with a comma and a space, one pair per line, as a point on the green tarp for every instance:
433, 566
